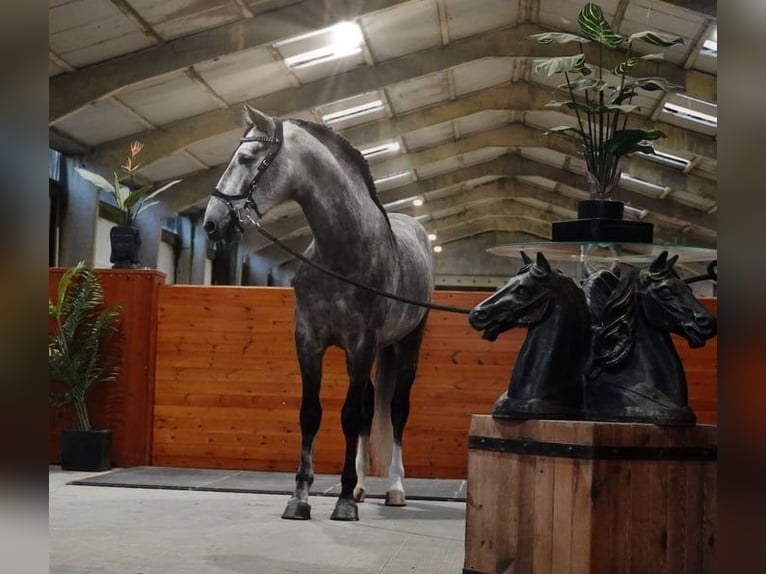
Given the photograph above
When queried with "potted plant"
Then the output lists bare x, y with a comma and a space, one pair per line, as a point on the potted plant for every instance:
602, 107
77, 359
125, 238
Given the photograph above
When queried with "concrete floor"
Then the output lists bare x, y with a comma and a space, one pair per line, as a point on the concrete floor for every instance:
108, 530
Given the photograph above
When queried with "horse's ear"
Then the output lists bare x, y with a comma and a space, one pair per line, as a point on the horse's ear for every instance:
258, 119
659, 262
525, 258
672, 260
542, 262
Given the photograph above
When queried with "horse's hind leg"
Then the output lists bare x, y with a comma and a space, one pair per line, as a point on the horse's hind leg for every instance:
358, 363
407, 353
310, 359
363, 450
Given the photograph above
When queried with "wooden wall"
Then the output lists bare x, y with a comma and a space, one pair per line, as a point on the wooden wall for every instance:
227, 389
125, 406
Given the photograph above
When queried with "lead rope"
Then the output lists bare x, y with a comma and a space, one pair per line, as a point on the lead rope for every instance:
330, 272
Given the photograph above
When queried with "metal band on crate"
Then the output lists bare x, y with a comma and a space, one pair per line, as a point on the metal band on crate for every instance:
590, 452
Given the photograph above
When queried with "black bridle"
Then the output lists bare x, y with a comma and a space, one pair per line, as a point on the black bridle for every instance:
247, 195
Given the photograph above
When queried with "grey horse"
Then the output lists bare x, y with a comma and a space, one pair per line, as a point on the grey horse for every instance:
280, 160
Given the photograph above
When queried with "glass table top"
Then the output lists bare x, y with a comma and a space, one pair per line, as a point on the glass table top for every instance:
604, 253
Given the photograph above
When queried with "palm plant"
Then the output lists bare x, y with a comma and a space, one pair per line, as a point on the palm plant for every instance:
602, 108
76, 348
131, 202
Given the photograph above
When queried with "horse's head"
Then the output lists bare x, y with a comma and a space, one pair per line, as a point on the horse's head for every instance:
669, 304
253, 180
523, 301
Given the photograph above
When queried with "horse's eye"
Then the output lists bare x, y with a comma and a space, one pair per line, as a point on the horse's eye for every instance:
522, 292
665, 292
245, 159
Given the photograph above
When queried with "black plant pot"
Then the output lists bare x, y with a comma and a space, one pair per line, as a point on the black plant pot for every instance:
601, 221
590, 208
86, 450
125, 241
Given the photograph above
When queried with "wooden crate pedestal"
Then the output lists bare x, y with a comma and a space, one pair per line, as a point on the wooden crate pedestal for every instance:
565, 497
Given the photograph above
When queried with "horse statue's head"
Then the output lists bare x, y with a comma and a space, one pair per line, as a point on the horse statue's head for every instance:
253, 182
668, 303
523, 301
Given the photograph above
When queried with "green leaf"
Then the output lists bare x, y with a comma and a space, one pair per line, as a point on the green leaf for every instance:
124, 194
582, 84
570, 132
656, 38
627, 141
571, 105
144, 206
624, 108
558, 38
136, 195
634, 61
95, 179
595, 26
653, 85
163, 188
561, 64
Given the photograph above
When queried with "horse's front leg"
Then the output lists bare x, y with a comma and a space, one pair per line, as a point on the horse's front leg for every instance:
363, 451
310, 354
358, 364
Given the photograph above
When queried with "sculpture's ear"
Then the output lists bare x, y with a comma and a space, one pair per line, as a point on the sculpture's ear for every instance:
659, 263
525, 258
258, 119
542, 263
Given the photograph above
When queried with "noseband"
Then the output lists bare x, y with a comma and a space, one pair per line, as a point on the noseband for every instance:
276, 142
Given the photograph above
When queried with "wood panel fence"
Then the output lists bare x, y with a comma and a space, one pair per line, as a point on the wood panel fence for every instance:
227, 388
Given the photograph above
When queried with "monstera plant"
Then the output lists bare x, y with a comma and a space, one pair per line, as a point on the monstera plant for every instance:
602, 100
131, 201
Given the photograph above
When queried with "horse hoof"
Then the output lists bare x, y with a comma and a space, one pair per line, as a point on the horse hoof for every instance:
395, 498
297, 510
346, 510
359, 494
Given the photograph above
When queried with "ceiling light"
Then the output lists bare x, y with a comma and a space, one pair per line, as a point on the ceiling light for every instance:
417, 202
352, 112
643, 183
392, 176
343, 39
432, 237
666, 158
710, 46
437, 249
383, 149
691, 114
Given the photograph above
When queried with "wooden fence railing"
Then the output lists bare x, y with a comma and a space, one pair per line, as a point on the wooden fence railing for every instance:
227, 388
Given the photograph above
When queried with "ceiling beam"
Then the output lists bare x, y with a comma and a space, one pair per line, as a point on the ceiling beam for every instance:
459, 208
198, 189
71, 92
505, 42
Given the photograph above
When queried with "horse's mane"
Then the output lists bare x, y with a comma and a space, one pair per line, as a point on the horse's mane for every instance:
323, 133
611, 303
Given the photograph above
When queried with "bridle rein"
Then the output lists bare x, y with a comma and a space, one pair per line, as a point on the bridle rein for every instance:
247, 195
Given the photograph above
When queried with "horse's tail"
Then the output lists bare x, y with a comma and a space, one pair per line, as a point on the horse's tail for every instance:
382, 430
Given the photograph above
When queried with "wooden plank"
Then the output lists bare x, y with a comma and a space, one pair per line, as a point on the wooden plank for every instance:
563, 502
217, 345
581, 529
658, 509
709, 518
622, 502
641, 502
604, 496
